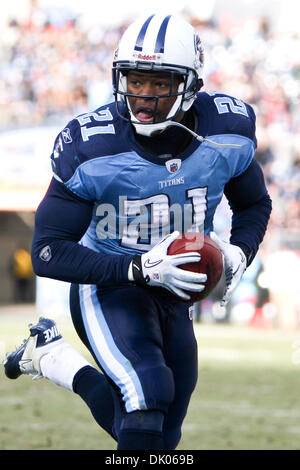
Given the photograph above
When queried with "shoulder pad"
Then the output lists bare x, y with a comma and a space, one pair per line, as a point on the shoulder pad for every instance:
97, 123
225, 114
89, 135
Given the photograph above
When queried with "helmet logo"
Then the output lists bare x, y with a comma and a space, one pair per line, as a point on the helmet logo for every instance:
199, 51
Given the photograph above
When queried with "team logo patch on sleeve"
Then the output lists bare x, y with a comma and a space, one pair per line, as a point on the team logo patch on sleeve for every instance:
66, 135
45, 254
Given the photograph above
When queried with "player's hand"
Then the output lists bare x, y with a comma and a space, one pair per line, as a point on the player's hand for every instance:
158, 269
235, 263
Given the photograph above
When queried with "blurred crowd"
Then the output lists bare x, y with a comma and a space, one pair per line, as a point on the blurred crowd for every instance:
260, 65
54, 67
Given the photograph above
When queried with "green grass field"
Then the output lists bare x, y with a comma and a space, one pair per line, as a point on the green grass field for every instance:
247, 395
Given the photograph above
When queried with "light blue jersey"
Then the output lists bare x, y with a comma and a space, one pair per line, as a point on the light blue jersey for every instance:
137, 197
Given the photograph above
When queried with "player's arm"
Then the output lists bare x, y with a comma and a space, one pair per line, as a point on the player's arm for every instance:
61, 220
251, 206
63, 217
247, 193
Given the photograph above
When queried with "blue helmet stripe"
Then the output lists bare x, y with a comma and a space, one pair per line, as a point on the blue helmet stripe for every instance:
160, 41
140, 39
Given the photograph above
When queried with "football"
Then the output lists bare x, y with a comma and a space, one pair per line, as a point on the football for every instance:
211, 262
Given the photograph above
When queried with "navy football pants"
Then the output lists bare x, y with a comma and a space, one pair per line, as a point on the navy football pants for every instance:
143, 340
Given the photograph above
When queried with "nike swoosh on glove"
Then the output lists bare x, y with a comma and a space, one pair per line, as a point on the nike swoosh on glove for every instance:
158, 269
235, 263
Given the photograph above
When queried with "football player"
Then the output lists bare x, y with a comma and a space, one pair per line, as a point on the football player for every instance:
127, 179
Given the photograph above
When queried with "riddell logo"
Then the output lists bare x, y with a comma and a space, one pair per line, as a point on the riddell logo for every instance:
146, 57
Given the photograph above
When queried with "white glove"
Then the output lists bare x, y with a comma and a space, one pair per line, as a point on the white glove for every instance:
158, 269
235, 263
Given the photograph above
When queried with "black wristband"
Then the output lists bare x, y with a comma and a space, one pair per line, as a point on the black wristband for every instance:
137, 271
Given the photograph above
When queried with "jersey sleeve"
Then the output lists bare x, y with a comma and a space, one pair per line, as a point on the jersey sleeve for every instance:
66, 161
244, 123
234, 154
224, 114
240, 159
232, 120
60, 222
64, 158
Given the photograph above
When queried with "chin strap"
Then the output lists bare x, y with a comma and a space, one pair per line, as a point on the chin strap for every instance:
149, 130
199, 137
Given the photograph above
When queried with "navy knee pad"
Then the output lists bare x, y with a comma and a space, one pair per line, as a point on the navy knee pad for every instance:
141, 430
150, 420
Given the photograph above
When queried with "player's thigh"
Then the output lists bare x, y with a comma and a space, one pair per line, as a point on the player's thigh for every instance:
122, 328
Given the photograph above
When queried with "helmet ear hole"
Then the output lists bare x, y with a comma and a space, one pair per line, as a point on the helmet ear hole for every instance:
199, 84
195, 86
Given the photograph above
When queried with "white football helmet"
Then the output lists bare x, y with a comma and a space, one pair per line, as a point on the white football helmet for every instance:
165, 44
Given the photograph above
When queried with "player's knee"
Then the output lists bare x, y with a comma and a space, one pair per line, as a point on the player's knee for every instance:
156, 392
172, 437
158, 383
150, 420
